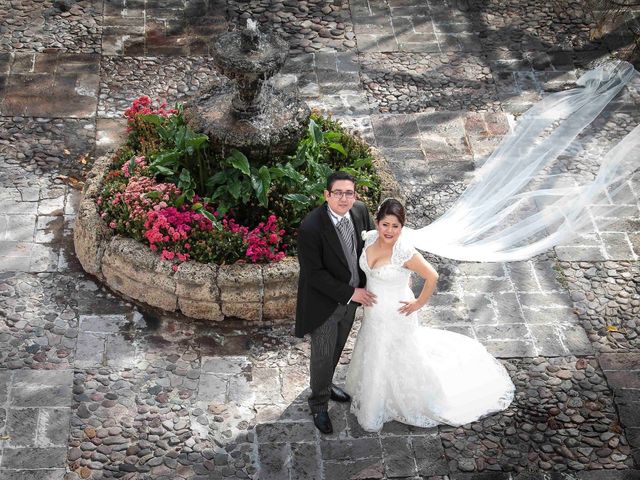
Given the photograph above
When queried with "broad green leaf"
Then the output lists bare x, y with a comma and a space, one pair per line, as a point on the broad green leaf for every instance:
264, 182
222, 209
301, 156
316, 132
220, 191
350, 171
362, 162
324, 170
277, 172
165, 158
180, 200
234, 189
293, 174
180, 137
152, 118
297, 198
185, 176
210, 217
217, 179
240, 162
197, 141
337, 147
332, 136
167, 172
264, 175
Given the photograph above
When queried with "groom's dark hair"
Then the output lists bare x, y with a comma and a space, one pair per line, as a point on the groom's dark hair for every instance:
335, 176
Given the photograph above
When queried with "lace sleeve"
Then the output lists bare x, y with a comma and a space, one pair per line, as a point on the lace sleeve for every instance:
402, 251
369, 237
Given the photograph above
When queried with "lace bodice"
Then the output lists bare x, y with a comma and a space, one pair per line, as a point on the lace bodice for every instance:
393, 274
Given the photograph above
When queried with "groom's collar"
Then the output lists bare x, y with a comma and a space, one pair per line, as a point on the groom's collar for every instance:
335, 218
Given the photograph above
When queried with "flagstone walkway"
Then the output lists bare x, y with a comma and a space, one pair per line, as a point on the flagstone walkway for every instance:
92, 386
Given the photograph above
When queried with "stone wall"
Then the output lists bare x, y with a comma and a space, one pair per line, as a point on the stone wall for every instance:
257, 294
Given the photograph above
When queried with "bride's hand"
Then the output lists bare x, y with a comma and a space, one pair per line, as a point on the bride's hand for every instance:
409, 307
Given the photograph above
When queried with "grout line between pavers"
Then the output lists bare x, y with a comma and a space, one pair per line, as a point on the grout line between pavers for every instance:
536, 350
3, 431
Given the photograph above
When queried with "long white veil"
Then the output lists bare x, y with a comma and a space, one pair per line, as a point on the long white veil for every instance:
522, 201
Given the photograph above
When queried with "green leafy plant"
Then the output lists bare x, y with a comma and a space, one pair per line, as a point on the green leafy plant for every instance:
238, 181
184, 158
167, 182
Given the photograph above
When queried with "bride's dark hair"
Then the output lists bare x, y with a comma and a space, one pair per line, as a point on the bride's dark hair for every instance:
391, 206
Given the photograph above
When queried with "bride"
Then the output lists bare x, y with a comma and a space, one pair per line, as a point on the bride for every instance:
401, 370
521, 202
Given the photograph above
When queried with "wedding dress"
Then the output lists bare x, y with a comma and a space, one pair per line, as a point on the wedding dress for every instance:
401, 370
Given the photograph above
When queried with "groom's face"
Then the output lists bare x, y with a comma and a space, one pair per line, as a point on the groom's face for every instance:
341, 196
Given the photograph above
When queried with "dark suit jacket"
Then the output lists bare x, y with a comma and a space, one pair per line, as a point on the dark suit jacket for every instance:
324, 271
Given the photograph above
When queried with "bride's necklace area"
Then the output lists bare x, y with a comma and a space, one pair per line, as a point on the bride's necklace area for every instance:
381, 258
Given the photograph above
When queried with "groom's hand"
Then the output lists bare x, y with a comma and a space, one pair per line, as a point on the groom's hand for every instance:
364, 297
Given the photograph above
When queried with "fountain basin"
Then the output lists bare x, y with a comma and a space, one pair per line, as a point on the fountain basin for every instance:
273, 131
246, 112
237, 61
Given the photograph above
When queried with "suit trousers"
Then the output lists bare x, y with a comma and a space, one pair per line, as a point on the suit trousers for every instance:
327, 342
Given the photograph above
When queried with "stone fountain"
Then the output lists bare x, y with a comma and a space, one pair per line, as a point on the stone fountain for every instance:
245, 111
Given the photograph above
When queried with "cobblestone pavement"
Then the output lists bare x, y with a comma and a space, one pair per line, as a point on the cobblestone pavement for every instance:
92, 386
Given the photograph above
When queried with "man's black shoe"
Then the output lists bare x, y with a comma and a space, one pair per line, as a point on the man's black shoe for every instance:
322, 421
339, 395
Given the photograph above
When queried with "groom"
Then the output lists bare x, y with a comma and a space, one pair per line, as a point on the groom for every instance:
330, 287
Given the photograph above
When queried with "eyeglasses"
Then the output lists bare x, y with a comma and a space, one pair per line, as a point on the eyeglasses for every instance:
349, 194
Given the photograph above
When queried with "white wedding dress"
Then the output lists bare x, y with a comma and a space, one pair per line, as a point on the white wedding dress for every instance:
401, 370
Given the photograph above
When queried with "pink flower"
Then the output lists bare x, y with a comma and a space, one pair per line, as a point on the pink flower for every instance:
167, 255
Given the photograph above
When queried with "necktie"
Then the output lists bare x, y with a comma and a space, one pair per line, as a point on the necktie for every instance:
346, 232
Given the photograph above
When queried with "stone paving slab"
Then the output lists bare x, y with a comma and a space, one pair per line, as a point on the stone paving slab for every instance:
36, 415
515, 309
51, 85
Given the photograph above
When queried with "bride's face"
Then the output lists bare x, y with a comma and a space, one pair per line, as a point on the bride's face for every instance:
389, 228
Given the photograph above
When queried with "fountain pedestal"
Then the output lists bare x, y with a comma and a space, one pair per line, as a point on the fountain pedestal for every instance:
246, 112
